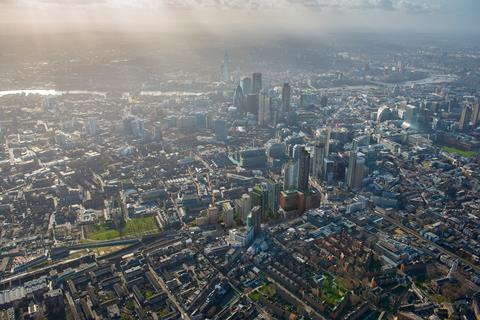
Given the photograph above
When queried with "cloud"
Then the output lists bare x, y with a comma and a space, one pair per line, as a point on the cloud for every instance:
418, 6
414, 7
244, 17
410, 6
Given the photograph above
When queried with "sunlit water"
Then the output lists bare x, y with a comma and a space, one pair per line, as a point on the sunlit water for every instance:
434, 79
52, 92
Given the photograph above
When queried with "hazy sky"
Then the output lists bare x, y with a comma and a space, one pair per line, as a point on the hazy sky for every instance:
247, 16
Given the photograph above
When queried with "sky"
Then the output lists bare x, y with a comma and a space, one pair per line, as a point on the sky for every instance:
241, 16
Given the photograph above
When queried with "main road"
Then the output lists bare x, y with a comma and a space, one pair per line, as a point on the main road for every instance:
170, 295
259, 308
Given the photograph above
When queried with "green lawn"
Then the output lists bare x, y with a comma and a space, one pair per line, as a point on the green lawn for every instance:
255, 296
267, 290
101, 232
466, 154
139, 226
133, 228
332, 292
148, 293
163, 313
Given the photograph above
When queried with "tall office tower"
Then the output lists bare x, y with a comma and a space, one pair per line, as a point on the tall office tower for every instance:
356, 167
360, 168
275, 106
326, 138
473, 101
318, 156
256, 220
321, 150
243, 206
91, 126
263, 108
290, 175
227, 214
252, 103
259, 197
328, 171
273, 189
303, 169
334, 169
225, 67
239, 99
286, 97
411, 114
465, 117
256, 83
220, 128
246, 84
355, 171
351, 164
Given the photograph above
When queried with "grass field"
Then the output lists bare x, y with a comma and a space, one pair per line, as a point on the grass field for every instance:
466, 154
139, 226
101, 232
255, 296
332, 292
133, 228
267, 290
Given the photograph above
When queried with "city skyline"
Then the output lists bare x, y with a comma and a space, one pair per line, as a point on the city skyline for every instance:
239, 159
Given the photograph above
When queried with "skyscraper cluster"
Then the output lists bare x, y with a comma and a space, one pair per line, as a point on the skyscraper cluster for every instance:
250, 96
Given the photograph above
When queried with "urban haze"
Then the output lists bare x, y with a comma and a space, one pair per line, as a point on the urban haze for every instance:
239, 159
